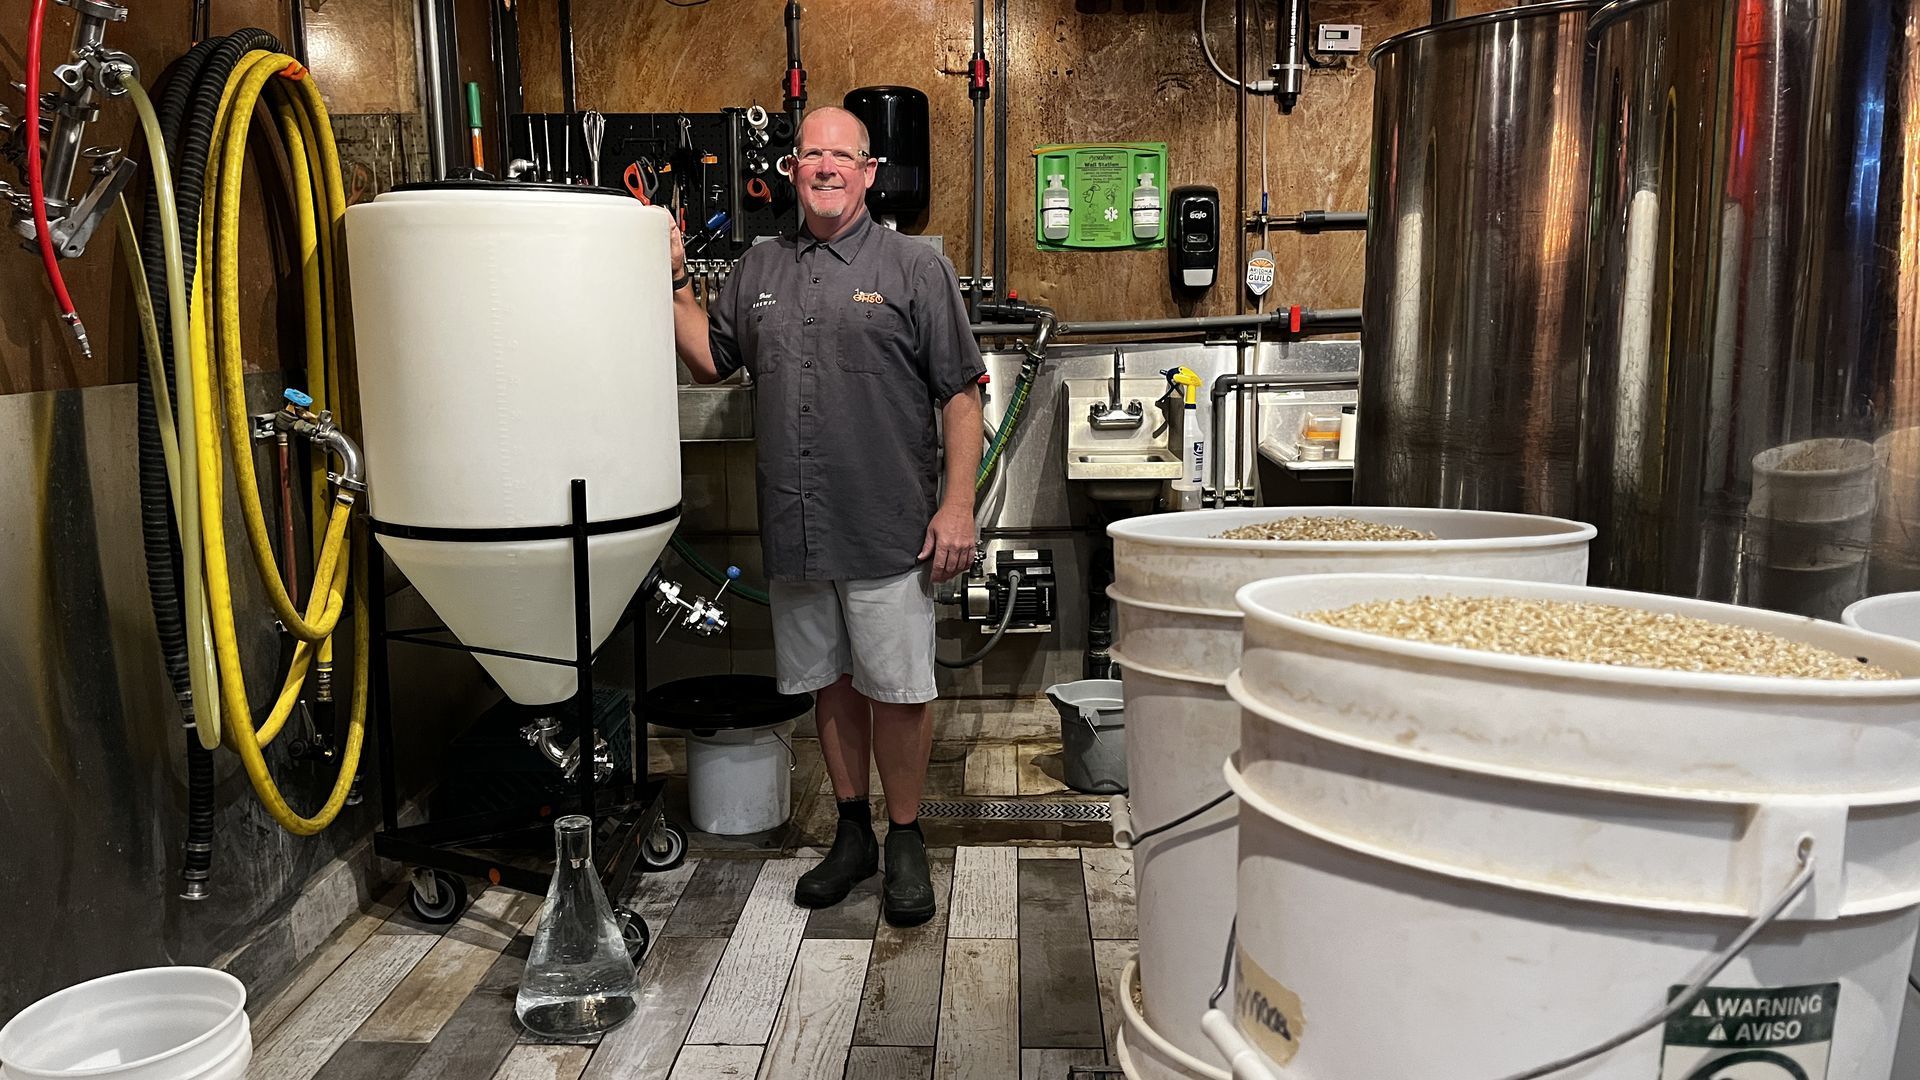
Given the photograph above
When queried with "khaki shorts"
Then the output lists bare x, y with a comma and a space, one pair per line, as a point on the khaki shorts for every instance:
880, 631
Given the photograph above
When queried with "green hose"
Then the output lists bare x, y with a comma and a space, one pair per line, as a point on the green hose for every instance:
1008, 425
705, 569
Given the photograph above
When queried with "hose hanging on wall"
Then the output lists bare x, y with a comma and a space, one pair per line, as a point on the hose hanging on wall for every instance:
192, 88
215, 91
218, 361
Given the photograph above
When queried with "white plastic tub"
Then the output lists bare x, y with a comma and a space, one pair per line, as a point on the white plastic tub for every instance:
1179, 636
163, 1023
1511, 858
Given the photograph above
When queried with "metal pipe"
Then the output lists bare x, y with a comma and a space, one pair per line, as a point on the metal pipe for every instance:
1235, 384
1000, 150
568, 101
1312, 323
977, 90
1442, 11
1240, 148
61, 154
320, 430
1289, 54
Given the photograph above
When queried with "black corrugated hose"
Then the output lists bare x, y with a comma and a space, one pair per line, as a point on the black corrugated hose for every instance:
187, 108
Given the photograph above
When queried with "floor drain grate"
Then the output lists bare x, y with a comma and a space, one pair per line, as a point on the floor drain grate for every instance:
1017, 810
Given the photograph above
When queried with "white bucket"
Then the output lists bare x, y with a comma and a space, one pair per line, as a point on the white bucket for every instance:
163, 1023
1895, 614
1489, 862
739, 779
1178, 639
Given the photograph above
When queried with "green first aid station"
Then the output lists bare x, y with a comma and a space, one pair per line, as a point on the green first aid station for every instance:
1100, 184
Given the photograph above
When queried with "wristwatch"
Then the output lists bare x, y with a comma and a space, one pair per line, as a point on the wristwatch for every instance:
682, 281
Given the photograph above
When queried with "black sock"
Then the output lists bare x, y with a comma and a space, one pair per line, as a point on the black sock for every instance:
858, 811
911, 826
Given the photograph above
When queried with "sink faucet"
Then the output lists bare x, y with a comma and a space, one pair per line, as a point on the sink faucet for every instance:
1104, 415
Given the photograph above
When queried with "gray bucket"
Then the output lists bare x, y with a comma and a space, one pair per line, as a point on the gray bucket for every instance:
1093, 734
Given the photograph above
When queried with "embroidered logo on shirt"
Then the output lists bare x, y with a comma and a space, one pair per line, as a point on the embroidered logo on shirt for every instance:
766, 300
868, 298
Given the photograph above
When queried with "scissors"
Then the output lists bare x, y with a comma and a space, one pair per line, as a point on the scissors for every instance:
641, 180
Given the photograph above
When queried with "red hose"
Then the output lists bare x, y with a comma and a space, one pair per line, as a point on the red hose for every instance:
36, 189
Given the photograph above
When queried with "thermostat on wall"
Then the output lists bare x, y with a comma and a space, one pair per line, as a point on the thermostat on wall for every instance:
1339, 37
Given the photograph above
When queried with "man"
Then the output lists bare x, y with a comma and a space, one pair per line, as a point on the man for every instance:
855, 336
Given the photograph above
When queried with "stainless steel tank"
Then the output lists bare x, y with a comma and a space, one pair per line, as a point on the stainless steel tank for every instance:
1476, 243
1754, 313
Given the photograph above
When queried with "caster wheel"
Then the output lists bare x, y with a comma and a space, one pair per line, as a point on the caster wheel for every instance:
437, 897
633, 931
664, 848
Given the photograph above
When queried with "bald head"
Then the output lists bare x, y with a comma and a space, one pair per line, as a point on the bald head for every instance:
834, 166
833, 126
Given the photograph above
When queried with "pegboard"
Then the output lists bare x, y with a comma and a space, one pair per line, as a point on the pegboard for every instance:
679, 146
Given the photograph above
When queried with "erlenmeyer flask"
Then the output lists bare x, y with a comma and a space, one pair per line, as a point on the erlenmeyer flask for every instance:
579, 980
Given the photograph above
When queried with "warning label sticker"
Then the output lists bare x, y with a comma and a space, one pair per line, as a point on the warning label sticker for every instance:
1784, 1033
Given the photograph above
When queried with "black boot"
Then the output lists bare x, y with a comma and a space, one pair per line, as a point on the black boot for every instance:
854, 858
909, 891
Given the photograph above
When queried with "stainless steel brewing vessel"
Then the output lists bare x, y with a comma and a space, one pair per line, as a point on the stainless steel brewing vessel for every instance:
1750, 425
1476, 243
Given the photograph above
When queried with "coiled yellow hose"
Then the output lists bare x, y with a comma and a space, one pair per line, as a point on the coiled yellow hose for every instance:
219, 367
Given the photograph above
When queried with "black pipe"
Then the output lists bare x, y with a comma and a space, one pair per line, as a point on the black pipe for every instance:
569, 103
794, 89
504, 26
977, 89
1442, 10
1314, 221
1000, 150
297, 30
1311, 323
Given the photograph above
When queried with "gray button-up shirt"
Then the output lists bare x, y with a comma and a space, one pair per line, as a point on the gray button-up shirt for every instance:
853, 345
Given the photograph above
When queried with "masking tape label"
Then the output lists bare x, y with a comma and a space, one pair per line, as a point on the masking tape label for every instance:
1267, 1013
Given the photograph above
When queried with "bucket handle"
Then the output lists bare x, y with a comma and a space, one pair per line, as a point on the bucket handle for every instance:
1091, 717
793, 762
1248, 1064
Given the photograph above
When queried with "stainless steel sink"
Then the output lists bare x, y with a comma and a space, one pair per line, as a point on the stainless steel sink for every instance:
1134, 463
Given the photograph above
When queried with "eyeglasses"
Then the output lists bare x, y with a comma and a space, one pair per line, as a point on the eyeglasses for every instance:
815, 156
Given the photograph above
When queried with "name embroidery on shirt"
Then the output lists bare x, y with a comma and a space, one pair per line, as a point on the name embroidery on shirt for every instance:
766, 300
863, 297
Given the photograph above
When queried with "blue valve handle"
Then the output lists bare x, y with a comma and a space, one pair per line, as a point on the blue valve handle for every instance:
733, 573
296, 397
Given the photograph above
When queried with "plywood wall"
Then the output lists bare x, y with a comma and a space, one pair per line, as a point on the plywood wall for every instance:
1073, 76
362, 54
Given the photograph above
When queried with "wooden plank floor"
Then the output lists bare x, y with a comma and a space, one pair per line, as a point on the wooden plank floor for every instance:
1012, 992
1012, 979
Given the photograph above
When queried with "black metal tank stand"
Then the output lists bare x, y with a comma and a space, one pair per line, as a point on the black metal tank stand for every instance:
630, 831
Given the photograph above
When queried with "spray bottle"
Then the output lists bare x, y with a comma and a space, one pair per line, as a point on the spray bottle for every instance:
1189, 489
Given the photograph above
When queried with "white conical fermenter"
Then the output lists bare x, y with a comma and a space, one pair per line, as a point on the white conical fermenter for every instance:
511, 339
